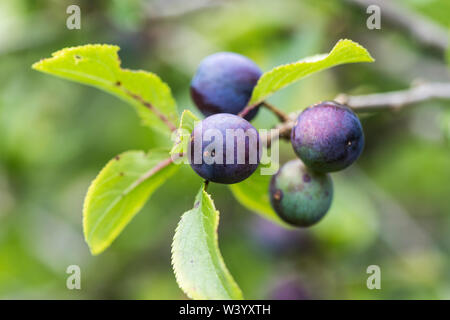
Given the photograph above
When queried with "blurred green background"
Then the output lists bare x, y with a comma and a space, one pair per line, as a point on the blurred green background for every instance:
392, 209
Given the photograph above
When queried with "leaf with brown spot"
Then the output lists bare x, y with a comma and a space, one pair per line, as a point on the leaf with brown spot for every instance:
99, 66
119, 192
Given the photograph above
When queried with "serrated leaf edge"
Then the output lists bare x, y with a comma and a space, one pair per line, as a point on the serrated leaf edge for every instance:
178, 277
307, 60
91, 189
55, 55
184, 114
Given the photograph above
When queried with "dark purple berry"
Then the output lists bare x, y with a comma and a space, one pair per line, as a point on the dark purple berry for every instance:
224, 148
224, 83
328, 137
299, 195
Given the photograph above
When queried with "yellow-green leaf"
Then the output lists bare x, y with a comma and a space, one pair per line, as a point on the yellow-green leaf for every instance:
345, 51
197, 262
99, 66
119, 192
253, 193
183, 133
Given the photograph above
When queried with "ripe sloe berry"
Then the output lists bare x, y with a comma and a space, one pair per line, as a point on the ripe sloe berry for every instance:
328, 137
224, 83
224, 148
299, 195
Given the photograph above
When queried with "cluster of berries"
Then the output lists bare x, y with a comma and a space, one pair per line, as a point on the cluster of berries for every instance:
326, 137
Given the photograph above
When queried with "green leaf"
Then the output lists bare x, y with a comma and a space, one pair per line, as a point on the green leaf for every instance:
447, 55
345, 51
119, 192
183, 133
253, 193
198, 265
99, 66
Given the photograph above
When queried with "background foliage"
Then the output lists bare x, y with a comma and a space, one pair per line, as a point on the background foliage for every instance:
392, 209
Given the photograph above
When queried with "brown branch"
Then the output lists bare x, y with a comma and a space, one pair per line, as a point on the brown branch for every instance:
280, 114
283, 130
424, 30
247, 109
396, 99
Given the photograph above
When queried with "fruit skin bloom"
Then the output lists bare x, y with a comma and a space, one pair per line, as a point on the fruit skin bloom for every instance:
328, 137
300, 196
224, 83
224, 148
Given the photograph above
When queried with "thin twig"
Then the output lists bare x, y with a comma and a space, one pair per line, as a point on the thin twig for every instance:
396, 99
282, 131
247, 109
284, 128
280, 114
424, 30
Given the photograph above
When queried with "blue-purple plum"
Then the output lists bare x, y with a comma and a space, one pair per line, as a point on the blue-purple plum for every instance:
299, 195
328, 137
276, 240
224, 83
289, 289
224, 148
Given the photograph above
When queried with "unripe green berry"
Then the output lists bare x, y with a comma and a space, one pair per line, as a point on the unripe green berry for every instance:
300, 196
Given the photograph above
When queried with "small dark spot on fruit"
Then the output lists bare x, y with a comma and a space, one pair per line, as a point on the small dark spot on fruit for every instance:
121, 174
77, 57
118, 83
117, 158
306, 178
278, 195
